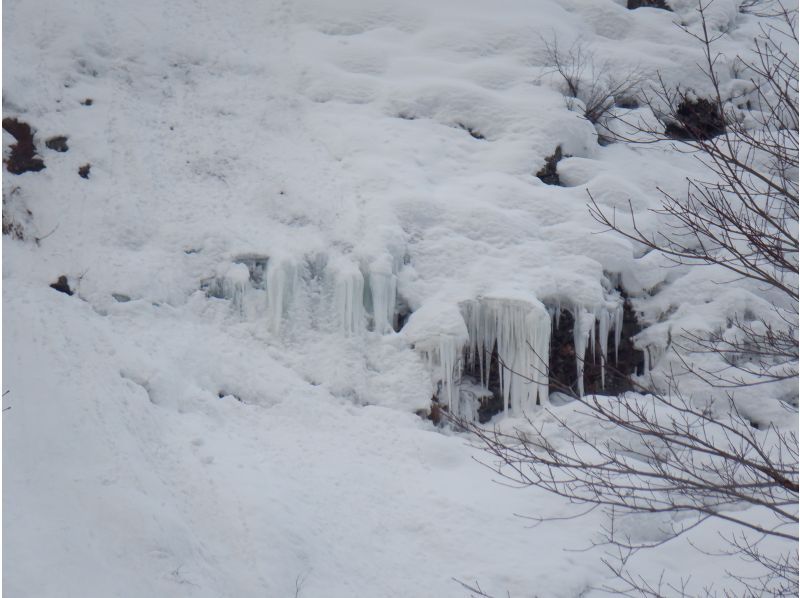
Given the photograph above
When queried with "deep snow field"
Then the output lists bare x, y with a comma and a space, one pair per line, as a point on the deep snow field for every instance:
218, 411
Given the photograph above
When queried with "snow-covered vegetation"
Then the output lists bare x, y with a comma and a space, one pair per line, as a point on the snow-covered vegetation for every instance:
289, 228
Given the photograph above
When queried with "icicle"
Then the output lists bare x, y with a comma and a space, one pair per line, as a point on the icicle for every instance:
584, 325
383, 285
440, 336
348, 296
235, 282
617, 331
603, 339
281, 283
520, 331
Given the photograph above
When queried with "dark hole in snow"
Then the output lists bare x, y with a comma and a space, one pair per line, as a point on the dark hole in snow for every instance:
120, 298
632, 4
402, 312
696, 119
58, 143
87, 102
23, 153
83, 171
549, 172
627, 103
62, 285
473, 133
406, 116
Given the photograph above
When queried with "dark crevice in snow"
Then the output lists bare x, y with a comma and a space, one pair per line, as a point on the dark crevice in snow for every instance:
632, 4
473, 132
23, 153
549, 172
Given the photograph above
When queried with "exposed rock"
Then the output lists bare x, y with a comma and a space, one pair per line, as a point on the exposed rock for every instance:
23, 153
83, 171
58, 143
62, 285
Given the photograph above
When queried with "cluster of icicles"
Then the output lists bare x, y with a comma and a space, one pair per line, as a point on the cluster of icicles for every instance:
516, 331
344, 298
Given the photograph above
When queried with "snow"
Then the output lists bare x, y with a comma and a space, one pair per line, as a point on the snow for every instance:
271, 184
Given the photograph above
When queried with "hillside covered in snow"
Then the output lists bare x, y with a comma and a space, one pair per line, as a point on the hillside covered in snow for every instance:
284, 226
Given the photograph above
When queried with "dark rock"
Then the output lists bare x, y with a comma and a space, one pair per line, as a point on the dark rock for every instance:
87, 102
696, 119
23, 152
120, 298
58, 143
435, 414
549, 172
62, 285
632, 4
83, 171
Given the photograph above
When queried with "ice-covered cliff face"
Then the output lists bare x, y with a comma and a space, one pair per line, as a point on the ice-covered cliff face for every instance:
309, 206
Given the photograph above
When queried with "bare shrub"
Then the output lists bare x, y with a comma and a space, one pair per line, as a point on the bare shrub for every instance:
597, 85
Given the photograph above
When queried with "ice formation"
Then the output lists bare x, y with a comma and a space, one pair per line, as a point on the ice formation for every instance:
383, 291
439, 334
520, 332
591, 332
281, 283
348, 295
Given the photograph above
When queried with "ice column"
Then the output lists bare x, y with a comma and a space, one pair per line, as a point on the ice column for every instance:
383, 286
281, 284
348, 296
583, 331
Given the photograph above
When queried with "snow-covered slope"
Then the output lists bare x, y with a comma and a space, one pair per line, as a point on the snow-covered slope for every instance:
224, 408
